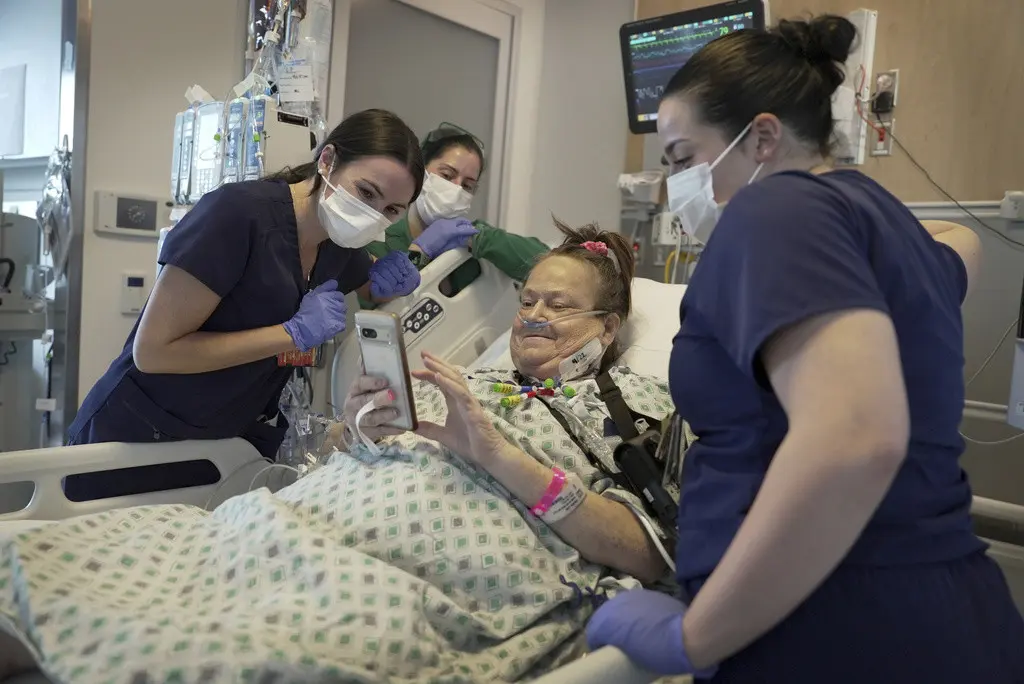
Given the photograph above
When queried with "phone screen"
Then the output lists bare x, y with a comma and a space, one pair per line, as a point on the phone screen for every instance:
383, 350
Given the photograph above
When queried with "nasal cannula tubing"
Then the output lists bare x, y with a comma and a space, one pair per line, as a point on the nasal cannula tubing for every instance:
536, 325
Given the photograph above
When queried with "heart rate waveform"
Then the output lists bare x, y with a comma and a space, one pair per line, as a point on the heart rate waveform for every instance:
657, 55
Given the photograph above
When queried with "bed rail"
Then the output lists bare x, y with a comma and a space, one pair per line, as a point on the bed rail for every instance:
458, 328
237, 460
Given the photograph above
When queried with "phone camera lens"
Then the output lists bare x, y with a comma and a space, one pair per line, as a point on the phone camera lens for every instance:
369, 333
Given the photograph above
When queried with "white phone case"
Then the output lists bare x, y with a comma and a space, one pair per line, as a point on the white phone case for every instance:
383, 350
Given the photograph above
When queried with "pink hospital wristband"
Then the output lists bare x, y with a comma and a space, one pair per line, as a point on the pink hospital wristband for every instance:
555, 487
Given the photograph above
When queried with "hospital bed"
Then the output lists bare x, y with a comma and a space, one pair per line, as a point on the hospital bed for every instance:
469, 327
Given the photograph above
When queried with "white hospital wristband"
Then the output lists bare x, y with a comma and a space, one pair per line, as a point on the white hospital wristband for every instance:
568, 500
367, 442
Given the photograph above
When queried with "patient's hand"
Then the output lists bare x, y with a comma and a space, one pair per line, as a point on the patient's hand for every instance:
468, 430
364, 390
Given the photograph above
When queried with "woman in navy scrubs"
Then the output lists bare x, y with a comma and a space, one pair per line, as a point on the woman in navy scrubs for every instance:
824, 526
256, 270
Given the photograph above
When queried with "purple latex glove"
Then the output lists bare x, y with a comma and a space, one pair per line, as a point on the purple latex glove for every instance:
393, 275
320, 317
648, 627
444, 234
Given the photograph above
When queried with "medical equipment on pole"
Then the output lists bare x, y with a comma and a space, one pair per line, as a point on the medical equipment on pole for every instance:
271, 119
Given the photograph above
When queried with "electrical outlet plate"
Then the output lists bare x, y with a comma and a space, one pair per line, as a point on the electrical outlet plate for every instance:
888, 81
882, 147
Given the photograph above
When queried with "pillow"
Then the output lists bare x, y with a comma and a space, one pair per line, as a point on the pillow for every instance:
646, 338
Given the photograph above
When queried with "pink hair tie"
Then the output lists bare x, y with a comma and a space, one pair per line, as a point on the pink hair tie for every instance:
596, 247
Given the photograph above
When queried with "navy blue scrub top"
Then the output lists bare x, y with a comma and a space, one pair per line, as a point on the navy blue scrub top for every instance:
788, 248
241, 241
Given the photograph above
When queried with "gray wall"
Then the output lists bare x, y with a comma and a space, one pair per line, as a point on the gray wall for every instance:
425, 69
581, 144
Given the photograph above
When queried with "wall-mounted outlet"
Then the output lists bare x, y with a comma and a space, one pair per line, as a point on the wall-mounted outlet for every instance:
883, 101
881, 138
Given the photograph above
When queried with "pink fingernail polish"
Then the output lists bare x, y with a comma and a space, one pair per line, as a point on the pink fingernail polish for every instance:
391, 395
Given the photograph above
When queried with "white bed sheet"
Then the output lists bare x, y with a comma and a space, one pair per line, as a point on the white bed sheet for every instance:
12, 527
647, 343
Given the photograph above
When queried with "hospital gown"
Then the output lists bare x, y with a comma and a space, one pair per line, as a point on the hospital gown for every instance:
411, 566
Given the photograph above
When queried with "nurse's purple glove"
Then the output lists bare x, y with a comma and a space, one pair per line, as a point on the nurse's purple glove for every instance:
393, 275
321, 316
648, 627
445, 234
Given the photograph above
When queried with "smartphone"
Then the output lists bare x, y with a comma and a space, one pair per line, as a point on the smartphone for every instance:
382, 346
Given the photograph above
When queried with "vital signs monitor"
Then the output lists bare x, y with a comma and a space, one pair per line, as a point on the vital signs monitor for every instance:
654, 49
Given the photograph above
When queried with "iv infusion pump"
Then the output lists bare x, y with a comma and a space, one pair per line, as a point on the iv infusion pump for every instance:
246, 140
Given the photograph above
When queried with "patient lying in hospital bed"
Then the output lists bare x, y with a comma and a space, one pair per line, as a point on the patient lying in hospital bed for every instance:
415, 565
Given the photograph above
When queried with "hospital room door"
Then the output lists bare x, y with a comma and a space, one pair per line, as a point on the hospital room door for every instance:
431, 61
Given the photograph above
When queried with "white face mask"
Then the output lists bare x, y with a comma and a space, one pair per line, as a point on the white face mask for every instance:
691, 195
349, 221
440, 198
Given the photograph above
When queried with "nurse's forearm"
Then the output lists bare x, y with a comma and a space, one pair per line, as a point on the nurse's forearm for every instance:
203, 352
602, 530
816, 499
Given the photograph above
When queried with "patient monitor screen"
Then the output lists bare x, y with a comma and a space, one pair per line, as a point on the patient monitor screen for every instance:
654, 49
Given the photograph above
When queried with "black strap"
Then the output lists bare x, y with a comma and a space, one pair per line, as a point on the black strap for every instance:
619, 479
611, 395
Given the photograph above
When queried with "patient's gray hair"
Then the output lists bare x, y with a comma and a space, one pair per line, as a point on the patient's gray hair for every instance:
615, 269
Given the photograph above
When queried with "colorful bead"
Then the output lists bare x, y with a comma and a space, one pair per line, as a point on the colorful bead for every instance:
549, 383
505, 388
569, 392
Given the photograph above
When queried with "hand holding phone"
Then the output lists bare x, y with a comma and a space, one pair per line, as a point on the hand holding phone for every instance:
382, 346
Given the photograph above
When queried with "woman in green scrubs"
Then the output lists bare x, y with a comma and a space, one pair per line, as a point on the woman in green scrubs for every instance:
436, 222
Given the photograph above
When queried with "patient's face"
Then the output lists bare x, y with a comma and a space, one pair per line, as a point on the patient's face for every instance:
557, 286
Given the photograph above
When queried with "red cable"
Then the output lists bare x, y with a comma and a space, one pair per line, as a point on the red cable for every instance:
860, 86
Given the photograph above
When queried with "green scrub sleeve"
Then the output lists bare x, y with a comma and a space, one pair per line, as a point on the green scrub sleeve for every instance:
514, 255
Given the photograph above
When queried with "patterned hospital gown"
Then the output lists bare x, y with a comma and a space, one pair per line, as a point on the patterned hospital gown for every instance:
414, 566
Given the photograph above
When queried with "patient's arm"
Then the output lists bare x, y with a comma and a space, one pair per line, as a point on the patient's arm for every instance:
602, 530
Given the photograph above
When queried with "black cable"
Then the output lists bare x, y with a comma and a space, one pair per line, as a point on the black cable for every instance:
309, 383
995, 231
5, 356
9, 263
